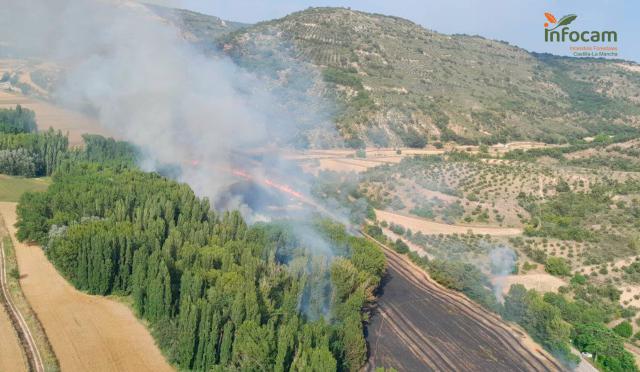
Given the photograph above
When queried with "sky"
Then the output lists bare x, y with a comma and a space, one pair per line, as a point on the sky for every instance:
519, 22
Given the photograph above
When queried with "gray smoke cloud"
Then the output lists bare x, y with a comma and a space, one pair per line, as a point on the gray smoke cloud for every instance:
147, 85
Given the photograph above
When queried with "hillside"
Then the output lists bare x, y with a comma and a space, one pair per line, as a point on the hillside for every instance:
197, 27
386, 81
396, 82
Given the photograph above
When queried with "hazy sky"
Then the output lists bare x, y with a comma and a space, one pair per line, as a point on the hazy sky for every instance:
519, 22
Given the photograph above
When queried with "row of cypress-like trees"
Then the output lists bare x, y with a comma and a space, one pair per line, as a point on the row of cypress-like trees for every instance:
218, 293
26, 152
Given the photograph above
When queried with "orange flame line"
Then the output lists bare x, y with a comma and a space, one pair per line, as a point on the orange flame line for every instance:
242, 174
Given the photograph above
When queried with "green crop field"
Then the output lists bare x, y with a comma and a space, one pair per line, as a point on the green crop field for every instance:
12, 187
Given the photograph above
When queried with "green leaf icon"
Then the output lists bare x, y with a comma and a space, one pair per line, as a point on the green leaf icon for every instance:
566, 20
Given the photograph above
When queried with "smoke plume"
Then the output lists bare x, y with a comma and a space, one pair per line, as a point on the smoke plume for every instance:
502, 261
147, 85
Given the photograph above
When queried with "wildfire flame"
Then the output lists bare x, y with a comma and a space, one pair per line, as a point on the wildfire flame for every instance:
265, 181
281, 187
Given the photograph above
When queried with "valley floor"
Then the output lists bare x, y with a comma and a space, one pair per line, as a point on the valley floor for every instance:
88, 333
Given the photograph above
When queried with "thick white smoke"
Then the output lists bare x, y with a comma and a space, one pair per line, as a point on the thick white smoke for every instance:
149, 86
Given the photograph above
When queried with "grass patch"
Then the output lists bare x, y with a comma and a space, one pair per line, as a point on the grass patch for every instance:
11, 188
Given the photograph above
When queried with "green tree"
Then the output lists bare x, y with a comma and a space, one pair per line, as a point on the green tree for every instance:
606, 347
624, 329
557, 266
215, 291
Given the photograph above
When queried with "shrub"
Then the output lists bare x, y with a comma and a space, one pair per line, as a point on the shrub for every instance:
624, 329
14, 273
400, 246
397, 229
557, 266
578, 279
414, 139
342, 77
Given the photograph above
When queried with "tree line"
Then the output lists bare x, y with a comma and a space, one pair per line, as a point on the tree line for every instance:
23, 151
18, 120
219, 294
32, 154
26, 152
556, 321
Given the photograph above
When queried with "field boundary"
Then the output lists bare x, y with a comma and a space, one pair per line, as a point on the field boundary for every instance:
27, 324
29, 348
424, 225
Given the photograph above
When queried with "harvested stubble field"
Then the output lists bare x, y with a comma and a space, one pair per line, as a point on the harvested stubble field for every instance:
11, 358
540, 281
420, 326
88, 333
37, 353
344, 160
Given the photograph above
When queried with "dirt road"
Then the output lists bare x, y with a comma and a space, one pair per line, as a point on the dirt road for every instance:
11, 354
20, 327
420, 326
343, 160
429, 227
88, 333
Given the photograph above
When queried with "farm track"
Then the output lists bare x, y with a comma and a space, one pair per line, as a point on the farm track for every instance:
86, 332
34, 359
431, 227
418, 325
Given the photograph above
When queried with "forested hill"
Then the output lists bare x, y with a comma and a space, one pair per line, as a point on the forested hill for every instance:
396, 82
219, 294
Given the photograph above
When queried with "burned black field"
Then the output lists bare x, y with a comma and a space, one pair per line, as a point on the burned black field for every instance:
418, 326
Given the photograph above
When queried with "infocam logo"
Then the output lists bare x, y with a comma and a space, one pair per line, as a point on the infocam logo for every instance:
559, 31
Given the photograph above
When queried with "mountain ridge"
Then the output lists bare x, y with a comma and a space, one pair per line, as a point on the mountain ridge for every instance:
400, 83
362, 79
